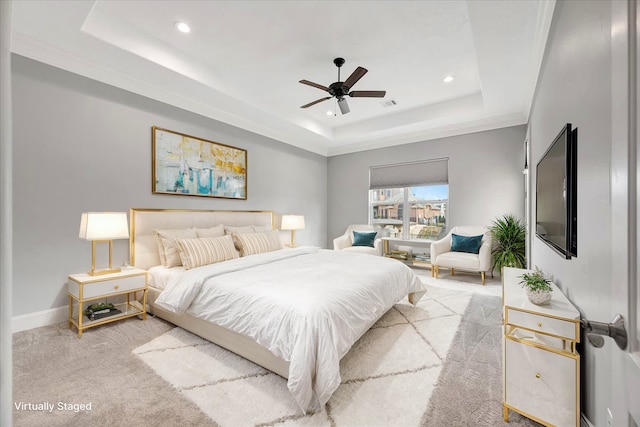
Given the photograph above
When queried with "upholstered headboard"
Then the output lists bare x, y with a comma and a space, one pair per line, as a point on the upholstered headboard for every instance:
143, 252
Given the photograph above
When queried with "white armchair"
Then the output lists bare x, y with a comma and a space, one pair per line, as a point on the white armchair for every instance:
442, 256
345, 242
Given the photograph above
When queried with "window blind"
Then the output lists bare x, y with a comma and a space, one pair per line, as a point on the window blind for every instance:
411, 174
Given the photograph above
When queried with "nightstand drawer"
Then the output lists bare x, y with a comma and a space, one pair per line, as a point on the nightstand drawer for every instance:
107, 287
541, 382
543, 324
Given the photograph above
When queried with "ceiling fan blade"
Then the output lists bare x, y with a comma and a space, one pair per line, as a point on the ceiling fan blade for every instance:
315, 102
319, 86
368, 93
344, 107
355, 76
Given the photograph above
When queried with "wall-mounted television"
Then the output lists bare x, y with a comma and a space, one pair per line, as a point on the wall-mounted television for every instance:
557, 192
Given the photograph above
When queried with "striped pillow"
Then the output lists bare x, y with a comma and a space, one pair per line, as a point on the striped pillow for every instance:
205, 250
169, 256
257, 243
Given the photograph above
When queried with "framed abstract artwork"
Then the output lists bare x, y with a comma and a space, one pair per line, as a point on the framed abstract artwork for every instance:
189, 166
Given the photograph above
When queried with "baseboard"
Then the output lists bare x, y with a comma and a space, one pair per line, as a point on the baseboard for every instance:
39, 318
584, 421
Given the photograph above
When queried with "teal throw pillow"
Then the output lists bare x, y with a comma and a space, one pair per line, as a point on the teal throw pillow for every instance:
364, 239
469, 244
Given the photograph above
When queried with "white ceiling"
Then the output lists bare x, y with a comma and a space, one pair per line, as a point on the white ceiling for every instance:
242, 61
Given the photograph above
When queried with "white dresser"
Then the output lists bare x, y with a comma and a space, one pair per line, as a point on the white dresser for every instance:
541, 367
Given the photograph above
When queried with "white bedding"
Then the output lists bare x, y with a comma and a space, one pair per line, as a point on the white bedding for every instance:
306, 305
160, 276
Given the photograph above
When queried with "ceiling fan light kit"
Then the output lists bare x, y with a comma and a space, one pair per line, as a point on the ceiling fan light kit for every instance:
344, 107
341, 89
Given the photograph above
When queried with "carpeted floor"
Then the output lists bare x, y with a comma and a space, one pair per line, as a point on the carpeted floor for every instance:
388, 376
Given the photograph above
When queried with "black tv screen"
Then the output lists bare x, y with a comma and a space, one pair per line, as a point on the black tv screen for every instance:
556, 194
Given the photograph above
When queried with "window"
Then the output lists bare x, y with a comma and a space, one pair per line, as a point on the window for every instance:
427, 211
417, 209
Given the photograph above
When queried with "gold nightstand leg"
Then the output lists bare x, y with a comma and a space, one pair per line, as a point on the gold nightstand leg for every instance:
144, 304
79, 319
70, 312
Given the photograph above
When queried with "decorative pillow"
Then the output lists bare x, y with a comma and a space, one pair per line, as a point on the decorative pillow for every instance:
205, 250
239, 230
169, 255
364, 239
160, 246
217, 231
469, 244
262, 228
257, 243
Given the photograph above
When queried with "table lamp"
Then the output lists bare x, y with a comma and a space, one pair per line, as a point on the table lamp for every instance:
293, 223
103, 227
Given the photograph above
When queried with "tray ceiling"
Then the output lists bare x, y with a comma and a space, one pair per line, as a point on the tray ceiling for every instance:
242, 61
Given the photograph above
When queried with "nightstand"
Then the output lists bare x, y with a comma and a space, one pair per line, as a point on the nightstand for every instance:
540, 361
125, 284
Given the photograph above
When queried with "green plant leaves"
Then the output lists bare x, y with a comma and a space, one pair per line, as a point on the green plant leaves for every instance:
509, 236
536, 281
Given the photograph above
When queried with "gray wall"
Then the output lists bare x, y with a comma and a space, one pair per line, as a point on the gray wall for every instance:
485, 177
575, 87
85, 146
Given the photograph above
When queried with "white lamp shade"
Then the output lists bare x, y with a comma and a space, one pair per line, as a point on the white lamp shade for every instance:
292, 222
104, 226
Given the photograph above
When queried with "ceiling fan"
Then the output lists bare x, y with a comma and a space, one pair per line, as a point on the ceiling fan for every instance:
341, 89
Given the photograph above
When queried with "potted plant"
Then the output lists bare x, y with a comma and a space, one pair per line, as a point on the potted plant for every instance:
538, 287
509, 235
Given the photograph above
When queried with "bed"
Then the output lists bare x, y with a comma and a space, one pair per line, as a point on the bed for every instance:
294, 311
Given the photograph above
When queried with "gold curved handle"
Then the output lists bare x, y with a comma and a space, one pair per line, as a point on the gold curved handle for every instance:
116, 286
538, 375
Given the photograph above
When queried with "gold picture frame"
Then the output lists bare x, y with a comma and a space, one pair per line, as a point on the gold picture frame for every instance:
186, 165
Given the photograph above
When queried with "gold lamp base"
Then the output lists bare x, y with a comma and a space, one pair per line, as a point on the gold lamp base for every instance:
110, 270
103, 271
293, 240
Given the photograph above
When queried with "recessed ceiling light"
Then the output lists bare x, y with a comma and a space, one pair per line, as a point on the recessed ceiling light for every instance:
448, 79
182, 27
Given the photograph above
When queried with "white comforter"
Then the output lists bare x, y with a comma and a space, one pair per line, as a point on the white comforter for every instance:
306, 305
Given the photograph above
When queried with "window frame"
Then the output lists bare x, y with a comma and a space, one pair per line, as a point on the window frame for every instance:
405, 205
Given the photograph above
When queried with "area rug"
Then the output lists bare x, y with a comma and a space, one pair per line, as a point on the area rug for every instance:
388, 377
469, 390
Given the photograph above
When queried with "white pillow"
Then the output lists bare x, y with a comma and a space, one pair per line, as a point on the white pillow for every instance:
262, 228
257, 243
217, 231
169, 255
239, 230
205, 250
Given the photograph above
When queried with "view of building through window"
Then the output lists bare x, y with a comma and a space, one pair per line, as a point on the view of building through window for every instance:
418, 212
